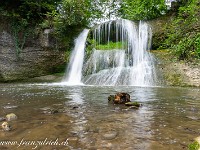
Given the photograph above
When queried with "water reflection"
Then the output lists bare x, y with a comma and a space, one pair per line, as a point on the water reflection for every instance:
168, 119
76, 95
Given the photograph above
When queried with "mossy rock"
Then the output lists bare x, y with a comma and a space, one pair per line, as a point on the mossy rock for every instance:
111, 98
136, 104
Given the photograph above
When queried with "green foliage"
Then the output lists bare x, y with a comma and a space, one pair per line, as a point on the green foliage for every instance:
183, 33
20, 32
32, 11
25, 16
69, 21
194, 146
74, 12
142, 9
188, 47
111, 45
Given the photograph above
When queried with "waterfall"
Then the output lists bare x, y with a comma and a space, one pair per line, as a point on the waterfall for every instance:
130, 63
74, 70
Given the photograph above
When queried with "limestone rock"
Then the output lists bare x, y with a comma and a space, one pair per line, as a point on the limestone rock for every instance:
5, 126
11, 117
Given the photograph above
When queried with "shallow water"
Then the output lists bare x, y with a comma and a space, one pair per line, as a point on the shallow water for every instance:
168, 119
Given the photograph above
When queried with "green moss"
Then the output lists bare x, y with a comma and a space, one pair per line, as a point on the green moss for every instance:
175, 79
136, 104
194, 146
111, 45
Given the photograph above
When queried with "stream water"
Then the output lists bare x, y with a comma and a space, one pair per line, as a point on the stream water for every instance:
82, 116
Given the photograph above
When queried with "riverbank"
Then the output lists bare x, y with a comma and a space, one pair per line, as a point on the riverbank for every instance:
177, 73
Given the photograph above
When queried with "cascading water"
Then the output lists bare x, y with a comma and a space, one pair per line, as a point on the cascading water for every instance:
74, 71
128, 64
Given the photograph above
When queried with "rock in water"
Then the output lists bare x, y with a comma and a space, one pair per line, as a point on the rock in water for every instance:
11, 117
136, 104
2, 119
119, 98
122, 98
110, 135
111, 98
5, 126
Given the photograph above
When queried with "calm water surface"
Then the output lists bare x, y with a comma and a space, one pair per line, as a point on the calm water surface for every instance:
168, 120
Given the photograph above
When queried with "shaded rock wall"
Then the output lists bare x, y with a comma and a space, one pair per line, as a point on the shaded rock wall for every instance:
158, 26
38, 57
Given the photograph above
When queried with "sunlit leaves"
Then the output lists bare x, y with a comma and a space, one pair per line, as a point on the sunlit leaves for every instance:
143, 9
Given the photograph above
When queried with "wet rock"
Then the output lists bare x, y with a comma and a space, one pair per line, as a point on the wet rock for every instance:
74, 107
136, 104
2, 119
111, 98
110, 135
5, 126
11, 117
119, 98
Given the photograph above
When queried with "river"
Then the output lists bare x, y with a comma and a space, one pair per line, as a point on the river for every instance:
82, 117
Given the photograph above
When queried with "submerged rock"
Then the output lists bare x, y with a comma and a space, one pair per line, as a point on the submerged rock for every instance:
110, 135
5, 126
2, 119
11, 117
49, 110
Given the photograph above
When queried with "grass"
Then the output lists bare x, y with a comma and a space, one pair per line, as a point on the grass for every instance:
111, 45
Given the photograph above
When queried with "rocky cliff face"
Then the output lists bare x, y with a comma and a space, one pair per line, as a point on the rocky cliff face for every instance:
177, 73
38, 57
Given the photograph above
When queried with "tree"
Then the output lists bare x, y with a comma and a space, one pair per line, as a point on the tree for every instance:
32, 11
142, 9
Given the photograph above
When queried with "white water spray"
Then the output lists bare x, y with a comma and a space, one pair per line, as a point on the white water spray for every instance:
130, 64
74, 71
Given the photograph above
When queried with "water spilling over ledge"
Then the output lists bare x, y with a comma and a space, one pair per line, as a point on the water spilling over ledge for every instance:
127, 63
